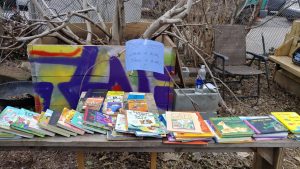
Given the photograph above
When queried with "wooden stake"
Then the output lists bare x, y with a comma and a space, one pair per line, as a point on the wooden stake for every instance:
153, 162
80, 159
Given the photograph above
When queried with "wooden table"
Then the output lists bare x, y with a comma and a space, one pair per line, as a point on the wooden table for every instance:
286, 63
268, 153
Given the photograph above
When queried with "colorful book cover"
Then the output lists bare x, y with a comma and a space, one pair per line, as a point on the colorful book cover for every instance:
115, 93
291, 120
265, 125
111, 108
64, 121
23, 125
231, 127
121, 123
138, 105
7, 117
94, 103
77, 121
46, 123
136, 96
97, 119
116, 136
144, 122
185, 122
32, 119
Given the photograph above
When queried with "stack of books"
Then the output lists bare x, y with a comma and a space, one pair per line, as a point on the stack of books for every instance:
291, 120
266, 128
187, 127
230, 130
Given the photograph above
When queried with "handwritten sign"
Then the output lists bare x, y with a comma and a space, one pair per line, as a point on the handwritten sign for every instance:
143, 54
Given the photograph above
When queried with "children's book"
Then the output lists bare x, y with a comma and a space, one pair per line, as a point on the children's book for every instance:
80, 104
7, 117
48, 121
77, 121
64, 121
32, 122
185, 122
144, 122
265, 125
91, 93
112, 108
291, 120
121, 123
219, 139
97, 119
94, 103
231, 127
23, 125
116, 136
136, 96
138, 105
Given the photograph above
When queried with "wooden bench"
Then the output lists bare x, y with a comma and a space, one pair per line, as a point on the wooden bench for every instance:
268, 154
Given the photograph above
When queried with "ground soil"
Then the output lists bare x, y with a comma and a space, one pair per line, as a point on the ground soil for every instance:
275, 99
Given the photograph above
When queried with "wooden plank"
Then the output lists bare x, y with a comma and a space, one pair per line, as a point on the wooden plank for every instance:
80, 159
153, 161
266, 153
278, 158
286, 63
288, 81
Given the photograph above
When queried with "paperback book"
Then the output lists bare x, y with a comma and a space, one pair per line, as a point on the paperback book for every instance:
138, 105
77, 121
265, 125
231, 127
64, 121
97, 119
291, 120
7, 117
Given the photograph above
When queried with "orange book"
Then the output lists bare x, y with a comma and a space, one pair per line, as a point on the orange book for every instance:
138, 105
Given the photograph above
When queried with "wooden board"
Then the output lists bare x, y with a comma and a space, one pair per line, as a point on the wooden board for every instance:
286, 63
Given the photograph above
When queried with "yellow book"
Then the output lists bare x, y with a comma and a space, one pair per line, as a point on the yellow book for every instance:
290, 120
115, 93
193, 135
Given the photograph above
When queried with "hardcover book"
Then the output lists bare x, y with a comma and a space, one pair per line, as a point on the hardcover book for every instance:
7, 117
265, 125
291, 120
64, 121
138, 105
184, 122
23, 125
48, 121
231, 127
77, 121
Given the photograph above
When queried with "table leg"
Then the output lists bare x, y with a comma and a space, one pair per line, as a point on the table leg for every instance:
268, 158
153, 162
80, 159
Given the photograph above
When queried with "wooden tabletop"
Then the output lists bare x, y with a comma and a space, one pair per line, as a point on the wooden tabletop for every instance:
99, 142
286, 63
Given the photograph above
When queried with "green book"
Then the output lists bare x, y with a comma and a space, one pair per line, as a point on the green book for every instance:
95, 129
22, 125
231, 127
77, 121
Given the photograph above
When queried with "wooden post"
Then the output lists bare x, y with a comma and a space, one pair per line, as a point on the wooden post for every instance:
80, 159
268, 158
153, 162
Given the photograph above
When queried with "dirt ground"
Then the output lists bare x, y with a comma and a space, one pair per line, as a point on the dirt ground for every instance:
274, 100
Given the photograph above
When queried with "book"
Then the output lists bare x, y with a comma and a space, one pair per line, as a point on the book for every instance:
231, 127
138, 105
95, 129
121, 123
112, 108
94, 103
116, 136
144, 121
23, 125
115, 93
184, 122
64, 121
219, 139
7, 117
136, 96
32, 120
77, 121
80, 104
48, 121
291, 120
91, 93
265, 125
97, 119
